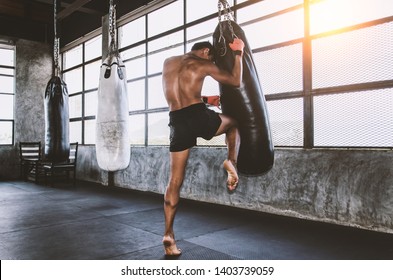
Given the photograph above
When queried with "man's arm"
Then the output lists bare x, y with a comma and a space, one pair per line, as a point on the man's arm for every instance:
237, 47
235, 77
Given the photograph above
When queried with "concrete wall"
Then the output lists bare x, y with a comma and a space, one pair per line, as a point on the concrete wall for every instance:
347, 187
33, 71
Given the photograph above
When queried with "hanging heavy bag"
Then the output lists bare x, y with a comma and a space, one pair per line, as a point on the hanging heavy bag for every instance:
57, 145
246, 104
112, 125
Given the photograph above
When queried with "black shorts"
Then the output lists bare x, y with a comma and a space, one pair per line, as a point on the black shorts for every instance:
189, 123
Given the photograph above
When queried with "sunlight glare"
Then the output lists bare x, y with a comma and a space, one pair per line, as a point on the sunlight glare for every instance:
328, 15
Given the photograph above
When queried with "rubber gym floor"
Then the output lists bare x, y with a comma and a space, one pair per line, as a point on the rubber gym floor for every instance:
94, 222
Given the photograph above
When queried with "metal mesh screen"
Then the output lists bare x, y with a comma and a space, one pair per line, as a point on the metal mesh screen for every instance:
280, 70
286, 121
359, 56
158, 131
354, 119
215, 141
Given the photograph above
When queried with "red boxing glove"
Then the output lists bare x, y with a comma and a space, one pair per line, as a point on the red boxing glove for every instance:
212, 100
237, 45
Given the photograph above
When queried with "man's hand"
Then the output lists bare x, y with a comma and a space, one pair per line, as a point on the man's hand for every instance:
212, 100
237, 45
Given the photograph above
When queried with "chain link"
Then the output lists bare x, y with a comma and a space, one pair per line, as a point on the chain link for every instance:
56, 43
113, 48
224, 10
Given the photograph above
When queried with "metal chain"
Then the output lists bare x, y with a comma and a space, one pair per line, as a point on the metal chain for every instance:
229, 15
113, 49
223, 6
56, 46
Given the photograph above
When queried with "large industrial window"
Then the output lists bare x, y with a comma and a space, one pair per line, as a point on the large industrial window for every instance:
7, 91
325, 66
81, 67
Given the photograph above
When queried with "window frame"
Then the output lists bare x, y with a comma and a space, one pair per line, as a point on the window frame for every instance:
2, 93
307, 93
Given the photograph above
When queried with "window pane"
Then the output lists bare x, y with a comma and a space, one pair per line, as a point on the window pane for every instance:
73, 80
158, 129
197, 9
90, 131
75, 106
91, 103
359, 56
7, 57
137, 129
6, 84
7, 90
156, 61
7, 71
264, 8
191, 43
93, 48
136, 95
132, 32
334, 14
5, 133
168, 41
7, 106
271, 31
210, 87
92, 75
286, 121
76, 132
280, 70
73, 57
204, 29
215, 141
135, 61
354, 119
136, 68
133, 52
156, 93
162, 19
162, 48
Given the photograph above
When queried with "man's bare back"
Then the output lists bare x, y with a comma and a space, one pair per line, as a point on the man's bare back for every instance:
183, 80
183, 77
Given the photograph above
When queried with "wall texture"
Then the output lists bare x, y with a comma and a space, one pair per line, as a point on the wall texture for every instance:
347, 187
33, 71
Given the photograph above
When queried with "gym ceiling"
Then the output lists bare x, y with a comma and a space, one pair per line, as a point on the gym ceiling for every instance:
33, 19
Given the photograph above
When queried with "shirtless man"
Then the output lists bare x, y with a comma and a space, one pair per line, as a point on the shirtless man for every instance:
183, 78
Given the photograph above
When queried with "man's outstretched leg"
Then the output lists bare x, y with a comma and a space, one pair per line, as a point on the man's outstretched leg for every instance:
178, 162
232, 139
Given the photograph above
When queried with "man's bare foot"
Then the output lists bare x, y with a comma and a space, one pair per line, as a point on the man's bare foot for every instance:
170, 247
233, 178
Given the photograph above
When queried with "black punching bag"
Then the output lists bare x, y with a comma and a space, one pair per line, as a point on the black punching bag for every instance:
57, 146
246, 104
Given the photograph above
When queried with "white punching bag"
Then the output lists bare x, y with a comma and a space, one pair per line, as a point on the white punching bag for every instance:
112, 140
112, 124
